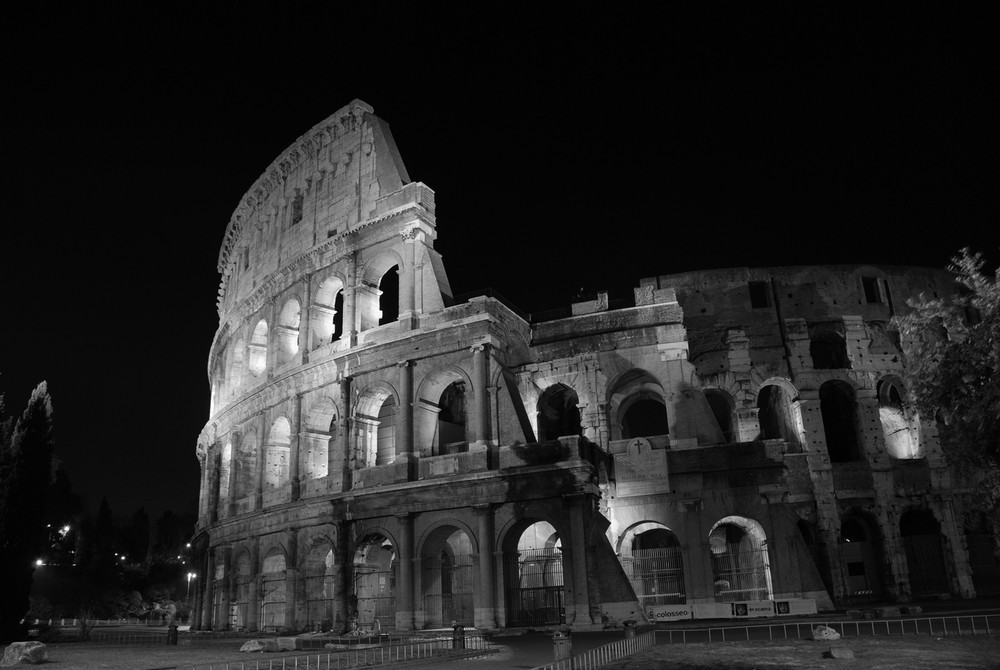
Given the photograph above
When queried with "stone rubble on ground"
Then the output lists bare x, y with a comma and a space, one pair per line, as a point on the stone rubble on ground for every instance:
840, 653
24, 652
259, 645
825, 633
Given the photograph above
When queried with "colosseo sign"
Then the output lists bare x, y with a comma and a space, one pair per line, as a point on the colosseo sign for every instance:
738, 610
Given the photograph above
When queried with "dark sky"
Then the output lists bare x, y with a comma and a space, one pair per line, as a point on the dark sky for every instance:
573, 148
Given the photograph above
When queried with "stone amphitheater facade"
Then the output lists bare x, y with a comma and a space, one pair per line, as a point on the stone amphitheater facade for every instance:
382, 454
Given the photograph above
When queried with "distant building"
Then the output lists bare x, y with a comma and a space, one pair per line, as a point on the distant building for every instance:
724, 443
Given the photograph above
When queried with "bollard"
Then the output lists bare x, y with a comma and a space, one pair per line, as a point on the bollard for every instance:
458, 636
562, 645
630, 626
172, 634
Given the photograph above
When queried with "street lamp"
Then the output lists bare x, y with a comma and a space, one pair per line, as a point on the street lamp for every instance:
190, 575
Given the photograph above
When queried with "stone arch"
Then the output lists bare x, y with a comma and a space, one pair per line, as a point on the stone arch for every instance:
925, 561
741, 567
246, 466
375, 422
257, 349
287, 331
447, 579
321, 434
778, 411
828, 350
277, 455
838, 407
274, 592
235, 368
326, 316
651, 555
378, 282
533, 573
442, 399
637, 406
374, 587
324, 602
558, 413
900, 428
225, 467
240, 596
723, 409
862, 556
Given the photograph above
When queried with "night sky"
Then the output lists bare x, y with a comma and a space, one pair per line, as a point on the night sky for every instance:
582, 148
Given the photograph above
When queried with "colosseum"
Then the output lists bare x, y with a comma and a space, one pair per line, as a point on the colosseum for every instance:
382, 454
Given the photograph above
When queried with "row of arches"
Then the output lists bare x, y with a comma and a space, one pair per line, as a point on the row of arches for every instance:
244, 362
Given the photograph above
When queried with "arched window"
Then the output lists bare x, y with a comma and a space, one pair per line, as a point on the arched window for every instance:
558, 414
320, 437
533, 576
451, 418
448, 578
225, 466
236, 368
276, 473
288, 332
651, 557
900, 430
837, 405
327, 313
389, 298
246, 466
637, 407
386, 451
778, 415
740, 563
375, 582
828, 351
273, 586
322, 599
257, 351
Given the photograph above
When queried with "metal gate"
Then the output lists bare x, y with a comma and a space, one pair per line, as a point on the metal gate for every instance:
448, 590
983, 563
321, 605
740, 575
272, 604
534, 580
375, 587
657, 575
926, 565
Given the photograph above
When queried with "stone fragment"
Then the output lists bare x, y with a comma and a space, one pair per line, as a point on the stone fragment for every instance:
825, 633
888, 612
854, 614
870, 614
913, 609
286, 644
31, 653
841, 653
259, 645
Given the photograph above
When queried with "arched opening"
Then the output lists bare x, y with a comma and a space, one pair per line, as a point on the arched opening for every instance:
235, 372
637, 407
828, 351
901, 438
240, 598
558, 413
388, 302
921, 534
722, 409
220, 581
451, 417
837, 406
533, 576
320, 437
257, 351
327, 314
276, 473
375, 582
984, 559
386, 431
246, 466
374, 427
861, 557
651, 557
447, 578
273, 591
740, 564
287, 332
323, 603
777, 414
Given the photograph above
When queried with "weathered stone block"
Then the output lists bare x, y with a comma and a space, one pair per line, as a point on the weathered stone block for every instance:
888, 612
840, 653
31, 653
261, 645
825, 633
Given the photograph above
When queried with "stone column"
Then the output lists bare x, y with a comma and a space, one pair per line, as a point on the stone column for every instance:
258, 501
295, 442
222, 616
212, 464
350, 319
234, 440
291, 577
404, 432
209, 603
196, 605
346, 575
404, 587
271, 359
345, 434
203, 488
407, 280
481, 410
305, 323
698, 576
253, 597
485, 609
578, 556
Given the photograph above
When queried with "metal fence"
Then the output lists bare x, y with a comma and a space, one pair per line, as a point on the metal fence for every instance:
608, 653
441, 648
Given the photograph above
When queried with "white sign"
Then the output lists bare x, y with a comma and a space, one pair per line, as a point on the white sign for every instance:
660, 613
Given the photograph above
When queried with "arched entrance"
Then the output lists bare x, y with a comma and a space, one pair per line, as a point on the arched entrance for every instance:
861, 556
651, 557
558, 414
533, 575
447, 578
273, 591
740, 565
375, 582
322, 602
921, 534
241, 592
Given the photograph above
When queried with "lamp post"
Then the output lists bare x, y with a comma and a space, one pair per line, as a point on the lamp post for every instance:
190, 576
